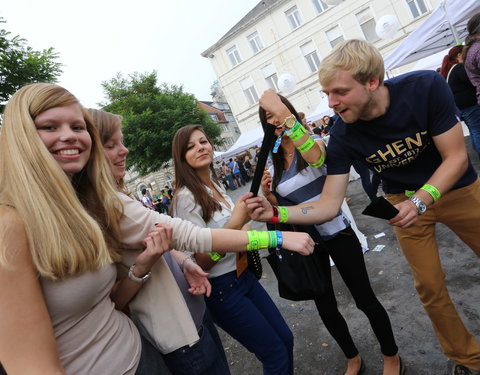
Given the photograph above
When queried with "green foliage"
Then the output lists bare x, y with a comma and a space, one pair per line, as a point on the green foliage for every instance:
20, 65
151, 116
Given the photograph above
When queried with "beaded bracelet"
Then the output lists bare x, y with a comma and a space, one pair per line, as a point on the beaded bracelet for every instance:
309, 143
274, 219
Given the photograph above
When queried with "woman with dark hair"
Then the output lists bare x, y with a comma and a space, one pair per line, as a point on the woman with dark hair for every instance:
464, 93
471, 52
291, 181
238, 303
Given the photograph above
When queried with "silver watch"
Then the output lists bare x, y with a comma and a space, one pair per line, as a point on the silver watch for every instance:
421, 206
140, 280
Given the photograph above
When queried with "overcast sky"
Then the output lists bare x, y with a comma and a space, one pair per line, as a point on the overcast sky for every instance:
98, 38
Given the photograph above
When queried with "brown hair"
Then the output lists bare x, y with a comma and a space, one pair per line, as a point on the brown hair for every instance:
450, 60
473, 28
279, 156
186, 176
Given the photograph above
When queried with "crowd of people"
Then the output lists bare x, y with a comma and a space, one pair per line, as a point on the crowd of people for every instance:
95, 282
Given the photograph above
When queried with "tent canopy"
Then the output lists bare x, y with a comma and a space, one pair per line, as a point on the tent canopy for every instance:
321, 110
248, 139
435, 33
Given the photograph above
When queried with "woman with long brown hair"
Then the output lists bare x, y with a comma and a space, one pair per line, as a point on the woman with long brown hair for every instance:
238, 303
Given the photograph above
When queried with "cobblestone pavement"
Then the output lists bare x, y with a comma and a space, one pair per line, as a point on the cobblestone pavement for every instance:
316, 353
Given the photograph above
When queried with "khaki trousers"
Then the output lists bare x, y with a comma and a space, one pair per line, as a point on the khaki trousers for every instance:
459, 210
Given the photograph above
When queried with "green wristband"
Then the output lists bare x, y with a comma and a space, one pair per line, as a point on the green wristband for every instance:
253, 240
307, 145
298, 133
318, 163
432, 190
264, 239
216, 256
272, 239
297, 126
283, 214
409, 193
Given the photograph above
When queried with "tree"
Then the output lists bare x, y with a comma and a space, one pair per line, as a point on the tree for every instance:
151, 116
20, 65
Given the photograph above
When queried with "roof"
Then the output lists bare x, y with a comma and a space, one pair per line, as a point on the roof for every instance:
262, 8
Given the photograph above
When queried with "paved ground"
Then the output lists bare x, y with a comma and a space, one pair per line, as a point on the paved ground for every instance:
316, 353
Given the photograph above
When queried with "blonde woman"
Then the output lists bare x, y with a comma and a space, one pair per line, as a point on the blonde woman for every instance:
56, 264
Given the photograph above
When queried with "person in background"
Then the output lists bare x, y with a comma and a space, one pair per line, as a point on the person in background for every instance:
229, 175
464, 93
471, 52
233, 165
238, 302
147, 202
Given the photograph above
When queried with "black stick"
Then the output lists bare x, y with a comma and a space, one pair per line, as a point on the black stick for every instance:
267, 144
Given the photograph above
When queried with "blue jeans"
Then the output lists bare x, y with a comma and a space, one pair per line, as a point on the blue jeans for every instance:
471, 116
243, 309
230, 181
206, 357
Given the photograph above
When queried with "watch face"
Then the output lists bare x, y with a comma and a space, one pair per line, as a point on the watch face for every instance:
290, 121
422, 207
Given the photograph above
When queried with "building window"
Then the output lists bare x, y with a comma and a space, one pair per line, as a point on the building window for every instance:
229, 141
224, 127
249, 90
311, 57
334, 36
270, 75
367, 24
230, 117
213, 116
255, 42
319, 6
234, 56
293, 17
417, 7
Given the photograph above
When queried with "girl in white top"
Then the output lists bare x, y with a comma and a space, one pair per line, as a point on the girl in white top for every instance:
238, 303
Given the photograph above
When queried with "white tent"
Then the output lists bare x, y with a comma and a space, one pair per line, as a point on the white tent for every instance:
248, 139
321, 110
431, 62
443, 28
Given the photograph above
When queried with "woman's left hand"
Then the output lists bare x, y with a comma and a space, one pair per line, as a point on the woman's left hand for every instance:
157, 242
197, 279
240, 214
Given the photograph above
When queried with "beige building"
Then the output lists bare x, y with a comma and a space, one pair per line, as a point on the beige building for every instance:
292, 36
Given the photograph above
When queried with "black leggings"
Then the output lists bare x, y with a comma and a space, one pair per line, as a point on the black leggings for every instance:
346, 252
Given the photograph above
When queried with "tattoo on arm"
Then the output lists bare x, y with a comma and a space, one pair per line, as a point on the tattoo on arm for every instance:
305, 209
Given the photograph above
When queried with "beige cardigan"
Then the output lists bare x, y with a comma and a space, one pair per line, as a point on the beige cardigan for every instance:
159, 305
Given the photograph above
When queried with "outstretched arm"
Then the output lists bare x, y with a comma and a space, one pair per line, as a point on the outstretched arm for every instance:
309, 213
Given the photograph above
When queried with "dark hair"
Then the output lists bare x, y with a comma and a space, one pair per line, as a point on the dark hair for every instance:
473, 28
450, 60
185, 175
144, 191
278, 158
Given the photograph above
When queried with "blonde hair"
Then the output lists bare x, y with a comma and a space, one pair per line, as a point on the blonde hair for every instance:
107, 124
64, 219
359, 57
